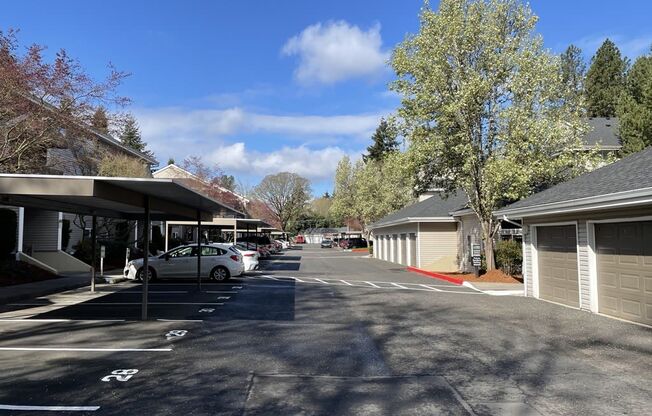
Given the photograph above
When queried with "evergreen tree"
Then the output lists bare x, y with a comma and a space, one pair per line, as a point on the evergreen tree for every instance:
635, 108
131, 135
573, 70
100, 121
384, 142
605, 80
171, 161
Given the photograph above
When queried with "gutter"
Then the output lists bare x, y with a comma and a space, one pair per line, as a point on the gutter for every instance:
409, 220
614, 200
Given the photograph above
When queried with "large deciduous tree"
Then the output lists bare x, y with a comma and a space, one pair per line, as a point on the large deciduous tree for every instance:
45, 105
635, 108
605, 80
484, 106
286, 194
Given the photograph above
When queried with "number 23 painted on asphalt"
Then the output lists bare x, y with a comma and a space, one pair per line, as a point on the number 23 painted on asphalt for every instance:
120, 375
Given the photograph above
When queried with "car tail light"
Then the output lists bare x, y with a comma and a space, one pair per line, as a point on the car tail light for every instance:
235, 258
249, 255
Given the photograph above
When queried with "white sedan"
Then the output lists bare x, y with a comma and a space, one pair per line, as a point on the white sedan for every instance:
217, 263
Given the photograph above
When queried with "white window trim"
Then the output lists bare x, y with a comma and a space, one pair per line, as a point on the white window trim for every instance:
418, 248
59, 230
593, 258
21, 226
535, 256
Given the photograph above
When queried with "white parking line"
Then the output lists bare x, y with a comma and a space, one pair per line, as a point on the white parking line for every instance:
376, 286
151, 291
85, 349
49, 408
346, 283
431, 288
180, 320
400, 287
322, 281
226, 292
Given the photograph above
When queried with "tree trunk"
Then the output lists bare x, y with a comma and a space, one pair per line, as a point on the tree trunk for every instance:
488, 238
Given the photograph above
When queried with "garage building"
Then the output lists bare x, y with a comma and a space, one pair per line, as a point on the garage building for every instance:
588, 241
424, 235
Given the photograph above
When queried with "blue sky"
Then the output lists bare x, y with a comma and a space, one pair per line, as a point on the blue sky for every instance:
263, 86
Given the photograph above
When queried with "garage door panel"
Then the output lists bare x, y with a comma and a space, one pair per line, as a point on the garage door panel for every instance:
624, 269
557, 252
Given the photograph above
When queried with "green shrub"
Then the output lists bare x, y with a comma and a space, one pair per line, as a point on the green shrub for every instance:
65, 234
8, 224
509, 256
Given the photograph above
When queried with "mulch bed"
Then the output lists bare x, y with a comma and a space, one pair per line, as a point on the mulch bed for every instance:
494, 276
15, 273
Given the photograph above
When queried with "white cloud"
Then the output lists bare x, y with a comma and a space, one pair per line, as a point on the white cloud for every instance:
631, 47
336, 51
217, 136
311, 163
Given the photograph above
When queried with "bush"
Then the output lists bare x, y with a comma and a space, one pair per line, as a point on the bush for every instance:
65, 234
8, 224
509, 256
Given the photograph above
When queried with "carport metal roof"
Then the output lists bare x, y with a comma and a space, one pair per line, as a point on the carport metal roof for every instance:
107, 197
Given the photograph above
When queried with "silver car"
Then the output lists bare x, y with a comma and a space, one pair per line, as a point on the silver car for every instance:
181, 262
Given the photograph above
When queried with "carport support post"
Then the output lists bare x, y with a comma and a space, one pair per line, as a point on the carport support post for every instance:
145, 273
198, 251
93, 255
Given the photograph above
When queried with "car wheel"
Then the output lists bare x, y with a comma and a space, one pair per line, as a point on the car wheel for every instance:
151, 276
220, 274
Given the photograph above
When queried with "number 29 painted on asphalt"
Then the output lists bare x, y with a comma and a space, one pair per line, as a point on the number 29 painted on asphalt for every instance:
120, 375
176, 333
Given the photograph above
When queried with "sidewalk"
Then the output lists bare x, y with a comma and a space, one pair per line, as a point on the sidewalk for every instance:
497, 289
45, 287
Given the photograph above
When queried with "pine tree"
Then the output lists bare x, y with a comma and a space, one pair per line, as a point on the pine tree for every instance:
573, 70
131, 135
171, 161
635, 107
100, 121
384, 142
605, 80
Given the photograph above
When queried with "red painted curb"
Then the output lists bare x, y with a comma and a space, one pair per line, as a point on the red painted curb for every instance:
454, 280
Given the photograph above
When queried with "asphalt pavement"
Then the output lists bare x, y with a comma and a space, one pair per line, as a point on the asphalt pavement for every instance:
317, 332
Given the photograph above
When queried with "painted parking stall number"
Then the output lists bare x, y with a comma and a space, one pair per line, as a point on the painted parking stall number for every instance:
120, 375
207, 310
175, 334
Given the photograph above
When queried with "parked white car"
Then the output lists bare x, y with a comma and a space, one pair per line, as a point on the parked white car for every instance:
285, 244
217, 263
249, 257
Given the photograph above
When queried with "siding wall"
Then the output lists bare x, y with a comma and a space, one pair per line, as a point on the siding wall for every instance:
583, 270
470, 226
40, 230
527, 262
438, 247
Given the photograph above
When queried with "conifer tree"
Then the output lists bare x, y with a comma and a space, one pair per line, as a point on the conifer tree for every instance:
131, 135
573, 70
635, 107
605, 80
100, 121
384, 142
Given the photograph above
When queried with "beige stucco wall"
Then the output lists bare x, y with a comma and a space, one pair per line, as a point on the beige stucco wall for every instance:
438, 246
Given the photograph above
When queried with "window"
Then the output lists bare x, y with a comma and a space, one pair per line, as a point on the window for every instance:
182, 252
211, 251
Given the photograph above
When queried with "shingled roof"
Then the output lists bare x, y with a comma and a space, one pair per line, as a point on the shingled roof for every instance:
603, 131
438, 206
617, 180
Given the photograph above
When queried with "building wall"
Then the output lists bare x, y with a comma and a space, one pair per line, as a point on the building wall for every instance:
470, 231
16, 210
583, 248
388, 247
438, 246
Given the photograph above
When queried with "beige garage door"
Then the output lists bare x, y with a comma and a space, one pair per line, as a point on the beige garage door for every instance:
557, 253
624, 258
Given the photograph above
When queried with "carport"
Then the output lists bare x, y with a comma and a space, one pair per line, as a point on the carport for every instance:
141, 199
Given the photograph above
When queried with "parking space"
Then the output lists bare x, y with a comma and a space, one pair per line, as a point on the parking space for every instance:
340, 334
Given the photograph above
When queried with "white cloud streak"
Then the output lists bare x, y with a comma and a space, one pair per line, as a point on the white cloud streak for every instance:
631, 47
336, 51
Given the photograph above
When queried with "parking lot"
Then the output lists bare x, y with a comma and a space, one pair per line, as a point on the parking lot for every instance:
318, 331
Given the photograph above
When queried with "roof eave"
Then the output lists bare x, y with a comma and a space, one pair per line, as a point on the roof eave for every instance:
610, 201
410, 220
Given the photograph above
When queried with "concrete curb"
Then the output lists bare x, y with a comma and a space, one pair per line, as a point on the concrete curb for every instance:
434, 275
